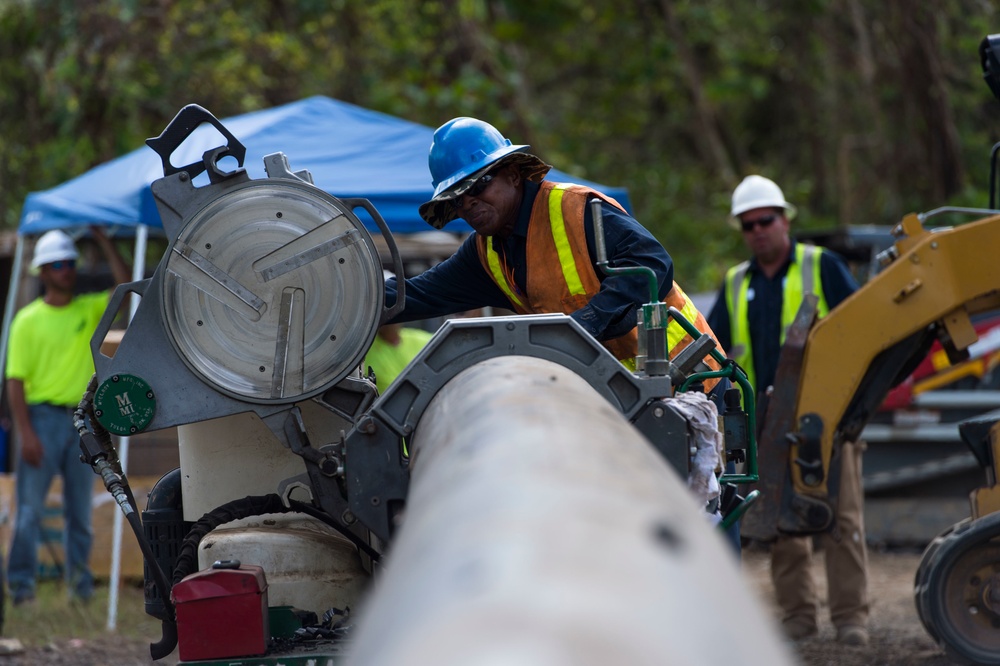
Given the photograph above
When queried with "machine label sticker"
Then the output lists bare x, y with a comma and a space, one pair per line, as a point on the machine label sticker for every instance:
124, 404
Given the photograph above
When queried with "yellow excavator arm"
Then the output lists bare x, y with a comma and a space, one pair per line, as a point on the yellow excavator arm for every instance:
834, 372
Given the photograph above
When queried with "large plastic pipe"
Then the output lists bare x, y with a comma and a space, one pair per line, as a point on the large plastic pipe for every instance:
541, 528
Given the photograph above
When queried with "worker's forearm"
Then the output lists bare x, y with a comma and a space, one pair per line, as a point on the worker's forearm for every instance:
18, 405
120, 270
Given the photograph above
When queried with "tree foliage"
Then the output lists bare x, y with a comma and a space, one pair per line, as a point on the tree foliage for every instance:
862, 110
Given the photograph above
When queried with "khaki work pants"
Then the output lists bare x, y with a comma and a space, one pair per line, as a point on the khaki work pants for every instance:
846, 559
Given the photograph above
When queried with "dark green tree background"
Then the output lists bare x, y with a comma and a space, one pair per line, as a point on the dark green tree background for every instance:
863, 110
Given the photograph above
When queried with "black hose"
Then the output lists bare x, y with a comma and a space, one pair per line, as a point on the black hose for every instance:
168, 625
326, 518
187, 558
99, 452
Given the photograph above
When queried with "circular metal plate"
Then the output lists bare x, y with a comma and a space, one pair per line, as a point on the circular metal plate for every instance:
124, 404
273, 291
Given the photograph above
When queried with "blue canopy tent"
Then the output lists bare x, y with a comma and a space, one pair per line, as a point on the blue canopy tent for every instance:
350, 151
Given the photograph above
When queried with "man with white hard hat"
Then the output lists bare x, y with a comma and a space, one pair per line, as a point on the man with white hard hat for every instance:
755, 306
48, 367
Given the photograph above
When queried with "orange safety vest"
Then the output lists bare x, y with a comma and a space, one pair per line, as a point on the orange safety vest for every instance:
561, 277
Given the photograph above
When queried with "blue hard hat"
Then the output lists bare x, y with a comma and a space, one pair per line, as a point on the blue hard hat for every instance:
463, 146
462, 149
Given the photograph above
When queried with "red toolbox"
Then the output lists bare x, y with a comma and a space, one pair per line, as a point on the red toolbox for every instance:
222, 612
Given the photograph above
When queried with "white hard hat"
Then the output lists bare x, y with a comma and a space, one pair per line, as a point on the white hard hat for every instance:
54, 245
758, 192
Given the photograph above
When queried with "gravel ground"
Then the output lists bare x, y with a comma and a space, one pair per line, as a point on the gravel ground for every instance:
898, 638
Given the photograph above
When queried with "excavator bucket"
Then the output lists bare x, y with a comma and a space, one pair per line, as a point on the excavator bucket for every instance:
779, 408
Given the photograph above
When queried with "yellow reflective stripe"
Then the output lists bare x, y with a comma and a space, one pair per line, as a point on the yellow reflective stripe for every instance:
558, 224
737, 290
675, 333
493, 259
803, 278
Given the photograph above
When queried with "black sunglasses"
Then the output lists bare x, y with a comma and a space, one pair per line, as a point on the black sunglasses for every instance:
480, 185
475, 189
763, 222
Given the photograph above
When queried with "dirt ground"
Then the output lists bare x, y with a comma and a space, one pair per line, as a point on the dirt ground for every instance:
898, 638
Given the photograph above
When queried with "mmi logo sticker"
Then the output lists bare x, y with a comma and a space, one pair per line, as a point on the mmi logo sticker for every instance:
125, 406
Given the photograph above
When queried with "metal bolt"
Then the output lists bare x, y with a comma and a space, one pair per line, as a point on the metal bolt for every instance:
367, 425
810, 480
934, 245
658, 412
340, 261
261, 368
183, 176
98, 413
133, 430
376, 500
278, 214
510, 326
329, 466
208, 246
114, 378
347, 518
149, 395
200, 322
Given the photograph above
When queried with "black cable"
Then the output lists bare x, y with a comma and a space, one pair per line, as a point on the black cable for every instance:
187, 558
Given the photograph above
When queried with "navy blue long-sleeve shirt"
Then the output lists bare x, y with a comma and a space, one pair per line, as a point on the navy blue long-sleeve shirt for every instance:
461, 283
766, 296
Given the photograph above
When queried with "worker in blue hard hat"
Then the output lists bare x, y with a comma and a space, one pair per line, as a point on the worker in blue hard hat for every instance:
533, 250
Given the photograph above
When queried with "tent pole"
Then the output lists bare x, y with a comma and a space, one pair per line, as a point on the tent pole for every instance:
8, 311
138, 272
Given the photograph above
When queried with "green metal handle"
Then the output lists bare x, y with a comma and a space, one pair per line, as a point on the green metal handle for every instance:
691, 330
602, 254
739, 511
730, 370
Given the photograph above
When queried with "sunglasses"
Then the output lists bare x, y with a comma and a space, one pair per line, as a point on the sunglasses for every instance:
63, 264
475, 189
763, 222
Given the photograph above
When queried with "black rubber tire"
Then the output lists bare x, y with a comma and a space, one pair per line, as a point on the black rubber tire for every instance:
952, 581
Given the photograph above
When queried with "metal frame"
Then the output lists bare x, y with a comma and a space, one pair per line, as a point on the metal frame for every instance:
375, 466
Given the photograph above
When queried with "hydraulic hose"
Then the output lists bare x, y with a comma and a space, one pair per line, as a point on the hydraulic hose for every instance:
187, 558
98, 451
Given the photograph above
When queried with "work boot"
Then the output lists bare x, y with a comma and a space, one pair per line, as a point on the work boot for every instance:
852, 634
799, 631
